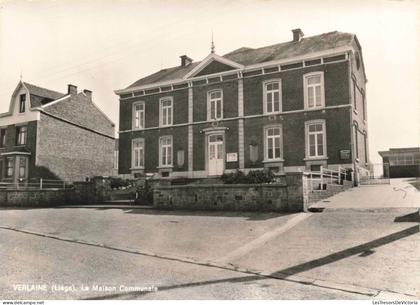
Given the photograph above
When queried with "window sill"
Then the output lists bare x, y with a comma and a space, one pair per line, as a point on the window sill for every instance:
136, 168
321, 158
315, 108
136, 129
273, 113
273, 160
163, 126
165, 167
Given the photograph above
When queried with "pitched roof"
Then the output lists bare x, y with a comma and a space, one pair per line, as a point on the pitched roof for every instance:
44, 95
247, 56
80, 110
291, 49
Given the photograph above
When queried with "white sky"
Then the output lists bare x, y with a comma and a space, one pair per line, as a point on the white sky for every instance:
107, 45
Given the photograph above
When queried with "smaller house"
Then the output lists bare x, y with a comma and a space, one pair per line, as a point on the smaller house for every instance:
401, 162
52, 135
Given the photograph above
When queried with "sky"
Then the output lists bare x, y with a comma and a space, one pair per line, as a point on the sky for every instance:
107, 45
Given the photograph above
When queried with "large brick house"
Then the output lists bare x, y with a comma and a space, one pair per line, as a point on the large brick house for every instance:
291, 107
52, 135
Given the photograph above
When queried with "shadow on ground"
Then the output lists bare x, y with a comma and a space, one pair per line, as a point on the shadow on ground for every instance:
249, 215
362, 250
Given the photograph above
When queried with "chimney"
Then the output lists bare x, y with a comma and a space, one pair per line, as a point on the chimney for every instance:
297, 35
71, 89
185, 61
88, 93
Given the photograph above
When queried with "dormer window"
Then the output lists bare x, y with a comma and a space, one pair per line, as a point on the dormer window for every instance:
22, 102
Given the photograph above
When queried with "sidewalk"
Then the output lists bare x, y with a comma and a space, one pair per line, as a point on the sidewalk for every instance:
398, 194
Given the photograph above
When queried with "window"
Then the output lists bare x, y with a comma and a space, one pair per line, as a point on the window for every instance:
356, 140
273, 143
314, 90
115, 159
315, 139
2, 137
22, 101
355, 92
362, 93
166, 111
214, 105
138, 115
138, 153
402, 159
21, 135
357, 56
165, 144
272, 96
10, 167
22, 167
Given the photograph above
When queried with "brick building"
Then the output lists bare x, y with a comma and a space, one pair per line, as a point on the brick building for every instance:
290, 107
401, 162
47, 134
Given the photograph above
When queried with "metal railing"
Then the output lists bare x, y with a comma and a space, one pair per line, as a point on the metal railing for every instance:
325, 176
37, 184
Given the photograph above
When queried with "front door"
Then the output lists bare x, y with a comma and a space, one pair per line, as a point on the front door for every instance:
215, 155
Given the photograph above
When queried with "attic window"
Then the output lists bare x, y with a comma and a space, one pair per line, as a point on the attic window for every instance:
22, 100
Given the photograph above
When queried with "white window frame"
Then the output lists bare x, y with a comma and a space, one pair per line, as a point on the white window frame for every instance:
115, 159
168, 163
305, 89
22, 136
24, 160
10, 164
265, 92
142, 112
215, 100
324, 140
167, 109
266, 141
137, 150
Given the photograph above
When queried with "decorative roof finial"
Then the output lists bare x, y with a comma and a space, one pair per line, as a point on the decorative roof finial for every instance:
21, 75
212, 43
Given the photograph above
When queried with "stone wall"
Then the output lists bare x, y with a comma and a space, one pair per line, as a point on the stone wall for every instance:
33, 198
97, 190
280, 197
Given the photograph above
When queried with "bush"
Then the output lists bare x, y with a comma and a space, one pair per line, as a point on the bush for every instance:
253, 177
117, 182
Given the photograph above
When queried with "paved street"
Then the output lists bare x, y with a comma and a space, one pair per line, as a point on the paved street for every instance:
342, 253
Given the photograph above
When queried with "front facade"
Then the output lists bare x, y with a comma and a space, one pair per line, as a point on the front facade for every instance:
51, 135
281, 107
401, 162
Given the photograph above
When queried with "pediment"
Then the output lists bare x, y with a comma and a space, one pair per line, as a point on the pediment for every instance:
213, 64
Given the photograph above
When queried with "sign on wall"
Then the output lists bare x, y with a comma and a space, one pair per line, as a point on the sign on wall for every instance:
344, 154
231, 157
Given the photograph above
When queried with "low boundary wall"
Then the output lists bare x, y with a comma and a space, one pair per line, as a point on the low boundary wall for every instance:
279, 197
33, 198
91, 192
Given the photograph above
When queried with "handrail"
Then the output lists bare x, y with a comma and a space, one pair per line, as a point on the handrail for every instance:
325, 176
